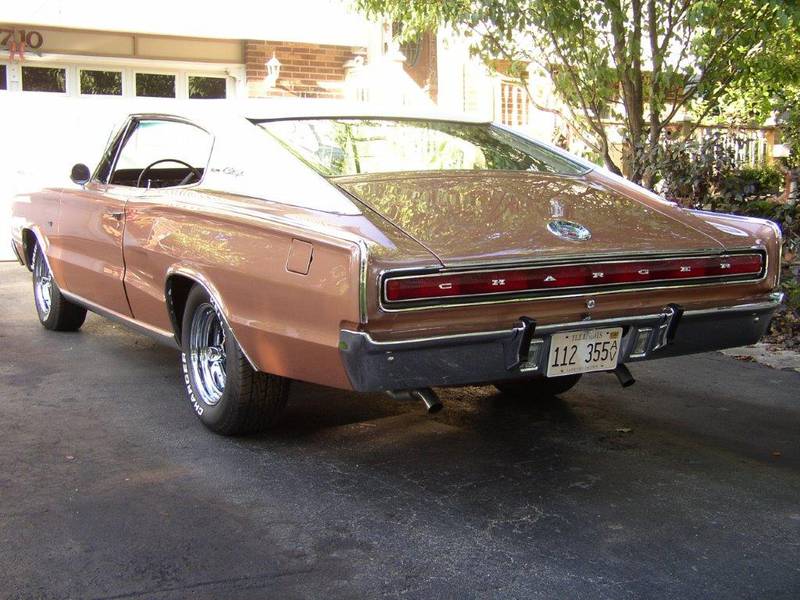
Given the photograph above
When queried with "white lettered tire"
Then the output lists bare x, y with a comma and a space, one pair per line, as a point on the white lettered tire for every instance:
226, 393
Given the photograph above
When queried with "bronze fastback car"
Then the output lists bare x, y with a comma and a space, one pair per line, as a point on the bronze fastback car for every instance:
375, 252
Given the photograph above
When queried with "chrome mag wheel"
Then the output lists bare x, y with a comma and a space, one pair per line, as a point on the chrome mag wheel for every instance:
43, 285
207, 354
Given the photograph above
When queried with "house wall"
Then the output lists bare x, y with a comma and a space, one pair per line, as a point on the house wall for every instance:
307, 70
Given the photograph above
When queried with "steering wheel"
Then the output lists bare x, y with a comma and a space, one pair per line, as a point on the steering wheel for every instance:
193, 172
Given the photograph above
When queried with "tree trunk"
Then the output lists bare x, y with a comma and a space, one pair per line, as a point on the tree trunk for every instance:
610, 164
627, 58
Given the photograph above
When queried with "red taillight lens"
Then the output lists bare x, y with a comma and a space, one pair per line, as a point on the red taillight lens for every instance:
423, 287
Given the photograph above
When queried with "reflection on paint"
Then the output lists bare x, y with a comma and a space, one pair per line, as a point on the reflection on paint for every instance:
462, 215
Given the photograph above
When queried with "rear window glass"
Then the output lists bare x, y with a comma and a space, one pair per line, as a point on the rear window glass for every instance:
342, 147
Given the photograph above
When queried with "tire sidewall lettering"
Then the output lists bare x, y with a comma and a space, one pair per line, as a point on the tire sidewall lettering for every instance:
198, 408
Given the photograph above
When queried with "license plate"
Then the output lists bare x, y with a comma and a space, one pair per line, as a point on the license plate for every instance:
583, 351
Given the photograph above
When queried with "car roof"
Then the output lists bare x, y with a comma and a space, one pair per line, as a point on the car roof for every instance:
218, 111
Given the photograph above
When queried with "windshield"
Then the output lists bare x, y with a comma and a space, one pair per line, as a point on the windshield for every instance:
342, 147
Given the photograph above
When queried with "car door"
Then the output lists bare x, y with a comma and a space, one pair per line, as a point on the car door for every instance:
90, 233
166, 157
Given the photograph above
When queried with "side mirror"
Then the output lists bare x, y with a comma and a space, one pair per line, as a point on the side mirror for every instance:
80, 174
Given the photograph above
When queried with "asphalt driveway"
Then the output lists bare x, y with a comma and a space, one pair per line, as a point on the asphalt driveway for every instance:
686, 485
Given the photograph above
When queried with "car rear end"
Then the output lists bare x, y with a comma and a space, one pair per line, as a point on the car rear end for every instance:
534, 264
417, 336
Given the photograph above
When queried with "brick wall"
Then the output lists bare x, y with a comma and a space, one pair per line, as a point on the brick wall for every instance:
307, 70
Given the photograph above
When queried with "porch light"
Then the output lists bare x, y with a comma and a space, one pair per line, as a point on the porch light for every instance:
273, 71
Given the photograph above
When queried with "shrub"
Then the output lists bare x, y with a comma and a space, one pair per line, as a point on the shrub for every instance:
704, 174
762, 181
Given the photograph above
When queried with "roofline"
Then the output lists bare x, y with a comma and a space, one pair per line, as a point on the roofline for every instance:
293, 109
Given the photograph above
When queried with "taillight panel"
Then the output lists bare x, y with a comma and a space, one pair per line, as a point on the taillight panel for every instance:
551, 279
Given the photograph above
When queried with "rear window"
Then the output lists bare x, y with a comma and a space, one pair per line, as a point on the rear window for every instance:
342, 147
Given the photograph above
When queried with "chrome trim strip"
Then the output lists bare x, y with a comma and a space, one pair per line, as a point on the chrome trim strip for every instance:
533, 295
553, 327
479, 335
775, 300
164, 337
561, 259
362, 281
574, 287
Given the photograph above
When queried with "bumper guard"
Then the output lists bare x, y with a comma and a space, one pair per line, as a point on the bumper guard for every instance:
522, 350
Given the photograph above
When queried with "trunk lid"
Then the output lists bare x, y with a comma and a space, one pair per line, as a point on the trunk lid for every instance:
500, 217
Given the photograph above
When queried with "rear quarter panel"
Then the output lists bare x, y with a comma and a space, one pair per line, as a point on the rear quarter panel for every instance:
287, 323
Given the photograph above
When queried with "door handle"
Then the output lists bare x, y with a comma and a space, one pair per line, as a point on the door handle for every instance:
117, 215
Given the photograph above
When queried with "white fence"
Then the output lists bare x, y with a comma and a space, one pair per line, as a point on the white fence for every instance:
751, 147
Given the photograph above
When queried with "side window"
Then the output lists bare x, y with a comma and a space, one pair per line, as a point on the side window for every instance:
162, 154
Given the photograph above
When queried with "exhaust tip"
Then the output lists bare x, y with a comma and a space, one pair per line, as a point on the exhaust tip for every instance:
624, 376
429, 398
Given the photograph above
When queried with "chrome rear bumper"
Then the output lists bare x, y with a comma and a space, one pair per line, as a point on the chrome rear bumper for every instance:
521, 351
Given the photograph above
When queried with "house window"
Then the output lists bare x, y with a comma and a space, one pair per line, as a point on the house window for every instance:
3, 84
101, 83
206, 87
44, 79
155, 85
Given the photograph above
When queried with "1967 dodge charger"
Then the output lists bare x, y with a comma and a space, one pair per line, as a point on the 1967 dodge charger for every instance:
373, 252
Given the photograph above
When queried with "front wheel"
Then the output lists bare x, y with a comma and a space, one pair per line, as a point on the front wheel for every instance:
56, 313
539, 387
227, 394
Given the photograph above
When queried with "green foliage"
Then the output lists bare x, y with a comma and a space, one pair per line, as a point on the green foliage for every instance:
703, 174
108, 83
789, 110
761, 180
634, 61
787, 216
791, 287
698, 174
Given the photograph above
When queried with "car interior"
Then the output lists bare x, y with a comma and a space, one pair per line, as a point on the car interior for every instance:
158, 177
162, 153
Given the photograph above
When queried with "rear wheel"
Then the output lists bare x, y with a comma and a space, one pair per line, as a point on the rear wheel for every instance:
227, 394
55, 311
539, 387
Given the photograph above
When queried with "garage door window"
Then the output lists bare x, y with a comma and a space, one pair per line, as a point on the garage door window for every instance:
155, 85
44, 79
101, 83
206, 87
